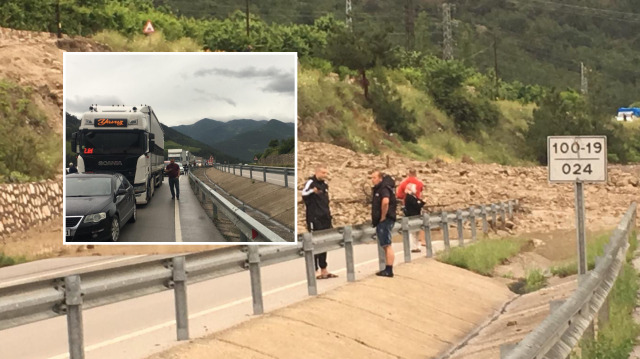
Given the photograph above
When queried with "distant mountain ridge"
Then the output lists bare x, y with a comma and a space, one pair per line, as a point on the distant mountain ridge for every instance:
241, 138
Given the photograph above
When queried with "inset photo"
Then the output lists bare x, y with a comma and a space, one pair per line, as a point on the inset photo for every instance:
169, 148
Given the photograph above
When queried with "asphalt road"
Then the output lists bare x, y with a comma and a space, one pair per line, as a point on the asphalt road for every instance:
277, 179
167, 220
139, 327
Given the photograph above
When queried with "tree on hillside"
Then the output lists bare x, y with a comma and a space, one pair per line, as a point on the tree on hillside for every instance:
364, 48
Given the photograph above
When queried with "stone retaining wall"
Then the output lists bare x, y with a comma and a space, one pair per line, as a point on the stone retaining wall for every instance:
278, 160
25, 204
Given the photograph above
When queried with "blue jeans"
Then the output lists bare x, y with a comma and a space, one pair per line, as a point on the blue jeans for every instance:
383, 232
174, 182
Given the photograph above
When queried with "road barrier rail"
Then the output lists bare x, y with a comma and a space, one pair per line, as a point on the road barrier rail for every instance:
41, 299
573, 319
286, 172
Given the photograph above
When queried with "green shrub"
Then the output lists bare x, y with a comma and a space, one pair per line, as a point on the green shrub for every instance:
535, 280
483, 256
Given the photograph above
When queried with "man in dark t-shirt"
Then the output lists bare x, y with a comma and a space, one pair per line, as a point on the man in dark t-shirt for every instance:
173, 171
383, 216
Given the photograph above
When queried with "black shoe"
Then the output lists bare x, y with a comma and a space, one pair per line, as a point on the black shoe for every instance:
172, 197
384, 273
178, 198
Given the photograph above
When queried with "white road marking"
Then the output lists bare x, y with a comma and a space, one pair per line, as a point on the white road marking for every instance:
178, 229
202, 313
35, 277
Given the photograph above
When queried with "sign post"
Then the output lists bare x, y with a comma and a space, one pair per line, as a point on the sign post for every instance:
578, 159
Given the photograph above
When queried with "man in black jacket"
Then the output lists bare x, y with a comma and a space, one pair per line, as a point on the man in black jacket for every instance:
383, 216
316, 198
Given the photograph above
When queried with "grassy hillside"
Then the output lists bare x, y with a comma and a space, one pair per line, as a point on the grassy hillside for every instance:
29, 149
175, 139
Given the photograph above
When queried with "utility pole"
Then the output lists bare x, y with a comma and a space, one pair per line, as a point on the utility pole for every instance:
584, 83
348, 15
410, 24
247, 13
495, 63
58, 24
448, 37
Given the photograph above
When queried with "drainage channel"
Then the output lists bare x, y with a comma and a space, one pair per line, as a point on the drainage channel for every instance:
248, 209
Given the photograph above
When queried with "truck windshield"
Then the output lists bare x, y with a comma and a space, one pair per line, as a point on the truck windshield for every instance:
112, 142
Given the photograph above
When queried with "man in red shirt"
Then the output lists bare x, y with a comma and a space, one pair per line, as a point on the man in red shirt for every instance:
173, 171
411, 178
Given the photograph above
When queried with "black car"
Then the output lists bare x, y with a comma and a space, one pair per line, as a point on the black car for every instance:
97, 206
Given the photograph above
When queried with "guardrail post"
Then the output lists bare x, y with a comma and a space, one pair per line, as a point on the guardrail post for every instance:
240, 170
506, 349
445, 230
382, 257
405, 239
73, 301
472, 220
251, 172
215, 210
264, 174
286, 179
256, 282
234, 169
348, 250
494, 217
307, 246
485, 225
603, 314
426, 224
460, 228
180, 291
503, 216
510, 203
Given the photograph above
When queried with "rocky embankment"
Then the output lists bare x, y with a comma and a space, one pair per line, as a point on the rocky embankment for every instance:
450, 186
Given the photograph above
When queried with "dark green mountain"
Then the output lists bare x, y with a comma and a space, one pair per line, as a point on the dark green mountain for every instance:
238, 138
211, 131
175, 139
247, 144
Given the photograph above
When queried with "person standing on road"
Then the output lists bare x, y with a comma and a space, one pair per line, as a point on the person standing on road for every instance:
383, 216
401, 192
186, 168
413, 206
411, 178
72, 168
173, 171
316, 199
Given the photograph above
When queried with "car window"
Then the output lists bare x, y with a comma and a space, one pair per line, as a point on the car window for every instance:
125, 183
118, 182
88, 186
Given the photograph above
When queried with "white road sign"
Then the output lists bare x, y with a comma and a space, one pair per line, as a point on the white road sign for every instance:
577, 158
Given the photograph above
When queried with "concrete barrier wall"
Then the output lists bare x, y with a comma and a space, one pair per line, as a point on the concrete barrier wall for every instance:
25, 204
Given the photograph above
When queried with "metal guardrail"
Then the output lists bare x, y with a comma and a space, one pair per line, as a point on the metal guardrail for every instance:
284, 171
47, 298
574, 318
250, 229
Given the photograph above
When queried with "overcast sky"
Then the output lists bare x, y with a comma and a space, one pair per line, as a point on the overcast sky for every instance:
184, 88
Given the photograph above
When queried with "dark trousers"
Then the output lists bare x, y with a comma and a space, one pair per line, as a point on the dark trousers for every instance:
321, 260
174, 182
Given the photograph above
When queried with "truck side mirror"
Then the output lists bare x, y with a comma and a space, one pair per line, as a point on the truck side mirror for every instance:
152, 145
74, 142
152, 136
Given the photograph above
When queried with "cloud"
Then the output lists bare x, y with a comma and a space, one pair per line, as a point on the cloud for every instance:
80, 104
247, 72
210, 96
283, 84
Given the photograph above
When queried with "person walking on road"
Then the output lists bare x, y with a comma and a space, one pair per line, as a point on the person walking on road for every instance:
186, 168
173, 171
383, 216
412, 207
316, 199
72, 168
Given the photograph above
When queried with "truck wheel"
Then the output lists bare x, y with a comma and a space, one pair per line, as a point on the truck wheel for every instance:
148, 193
